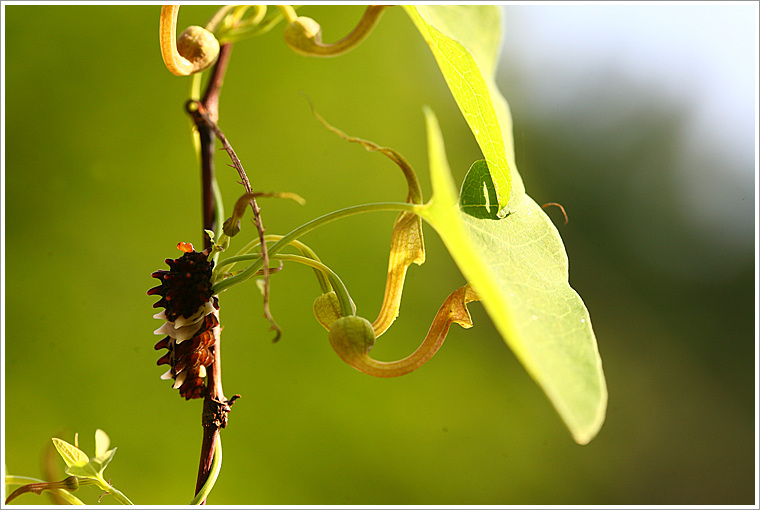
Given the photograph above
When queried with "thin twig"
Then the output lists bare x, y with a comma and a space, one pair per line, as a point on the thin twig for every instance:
560, 208
237, 165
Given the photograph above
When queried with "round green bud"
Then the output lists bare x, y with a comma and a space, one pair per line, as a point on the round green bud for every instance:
351, 337
327, 309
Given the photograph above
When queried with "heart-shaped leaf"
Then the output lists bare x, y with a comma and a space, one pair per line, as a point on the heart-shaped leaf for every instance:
518, 267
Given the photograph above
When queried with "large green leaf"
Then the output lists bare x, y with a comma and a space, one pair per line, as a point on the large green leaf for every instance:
518, 267
465, 43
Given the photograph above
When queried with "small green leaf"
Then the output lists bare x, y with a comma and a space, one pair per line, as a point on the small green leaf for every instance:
72, 455
465, 42
100, 462
102, 441
518, 267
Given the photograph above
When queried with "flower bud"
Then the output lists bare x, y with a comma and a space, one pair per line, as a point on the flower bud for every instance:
352, 338
327, 309
303, 35
198, 46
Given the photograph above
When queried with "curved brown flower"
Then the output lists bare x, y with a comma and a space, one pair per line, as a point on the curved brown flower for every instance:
352, 337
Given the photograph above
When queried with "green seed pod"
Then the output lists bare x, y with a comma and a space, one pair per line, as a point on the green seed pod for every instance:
352, 338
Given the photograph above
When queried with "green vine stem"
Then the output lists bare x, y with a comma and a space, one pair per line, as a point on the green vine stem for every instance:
347, 306
234, 26
407, 245
288, 12
304, 249
116, 493
216, 467
218, 210
212, 25
311, 225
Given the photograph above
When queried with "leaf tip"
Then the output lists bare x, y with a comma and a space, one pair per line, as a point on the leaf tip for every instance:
584, 434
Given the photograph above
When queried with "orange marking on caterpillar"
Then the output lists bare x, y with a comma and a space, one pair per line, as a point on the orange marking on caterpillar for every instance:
185, 247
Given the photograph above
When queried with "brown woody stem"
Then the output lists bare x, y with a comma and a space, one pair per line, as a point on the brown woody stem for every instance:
215, 405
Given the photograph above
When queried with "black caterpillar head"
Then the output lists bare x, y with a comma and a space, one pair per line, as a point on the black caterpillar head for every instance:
186, 286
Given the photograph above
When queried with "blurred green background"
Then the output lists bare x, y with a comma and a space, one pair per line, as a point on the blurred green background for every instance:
101, 183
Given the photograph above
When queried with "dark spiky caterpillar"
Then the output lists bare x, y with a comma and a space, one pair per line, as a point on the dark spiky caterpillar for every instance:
187, 284
192, 319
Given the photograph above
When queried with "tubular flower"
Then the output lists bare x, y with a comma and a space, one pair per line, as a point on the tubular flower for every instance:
192, 320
